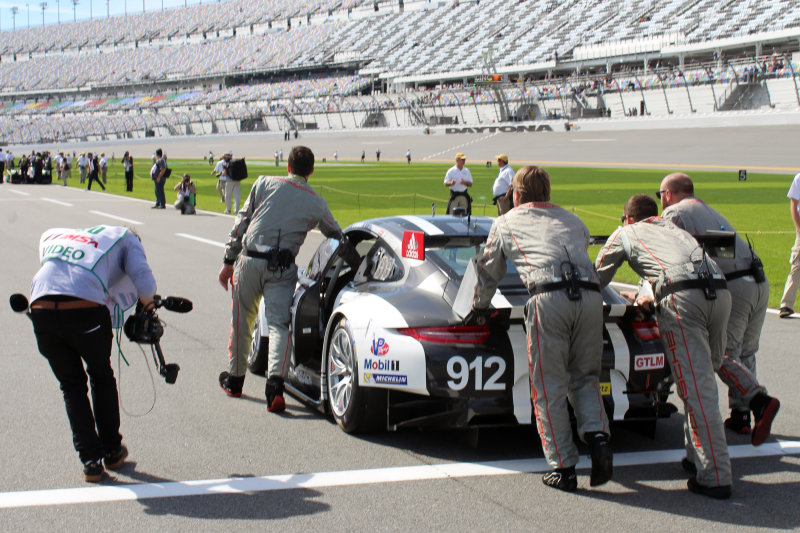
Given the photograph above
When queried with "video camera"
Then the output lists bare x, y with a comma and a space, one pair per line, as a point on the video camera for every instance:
144, 327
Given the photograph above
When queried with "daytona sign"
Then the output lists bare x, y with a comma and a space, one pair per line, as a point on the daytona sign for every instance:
501, 129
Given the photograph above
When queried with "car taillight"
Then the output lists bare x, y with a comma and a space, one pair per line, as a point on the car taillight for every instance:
646, 330
449, 334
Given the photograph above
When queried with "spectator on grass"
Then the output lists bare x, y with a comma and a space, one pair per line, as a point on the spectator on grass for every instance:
458, 179
94, 172
186, 195
501, 189
127, 163
83, 165
103, 166
793, 279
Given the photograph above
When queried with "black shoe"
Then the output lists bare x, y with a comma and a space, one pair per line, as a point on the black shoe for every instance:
562, 478
785, 312
93, 470
232, 385
602, 458
764, 410
688, 466
718, 493
114, 460
739, 422
274, 393
156, 207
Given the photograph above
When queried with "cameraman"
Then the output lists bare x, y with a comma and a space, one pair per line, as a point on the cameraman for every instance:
83, 274
186, 195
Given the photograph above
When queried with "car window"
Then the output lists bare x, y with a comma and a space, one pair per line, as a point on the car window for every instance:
380, 264
321, 258
454, 260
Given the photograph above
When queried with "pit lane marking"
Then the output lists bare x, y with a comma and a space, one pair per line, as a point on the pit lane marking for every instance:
320, 480
54, 201
201, 239
123, 219
21, 193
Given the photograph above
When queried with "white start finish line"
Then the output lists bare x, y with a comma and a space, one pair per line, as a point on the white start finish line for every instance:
117, 493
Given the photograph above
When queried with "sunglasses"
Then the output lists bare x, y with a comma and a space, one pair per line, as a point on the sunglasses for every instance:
659, 193
622, 218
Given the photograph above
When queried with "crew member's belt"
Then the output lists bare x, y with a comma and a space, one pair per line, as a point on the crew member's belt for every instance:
55, 305
708, 285
738, 274
276, 258
565, 284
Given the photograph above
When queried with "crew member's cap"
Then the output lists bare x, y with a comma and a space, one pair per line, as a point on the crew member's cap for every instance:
460, 155
502, 157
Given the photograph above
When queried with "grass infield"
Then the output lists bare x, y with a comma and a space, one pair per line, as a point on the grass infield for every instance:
757, 207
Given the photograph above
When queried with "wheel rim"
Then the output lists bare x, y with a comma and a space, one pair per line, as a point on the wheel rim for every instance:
341, 360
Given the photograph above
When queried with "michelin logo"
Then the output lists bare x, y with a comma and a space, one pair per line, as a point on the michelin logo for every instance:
390, 379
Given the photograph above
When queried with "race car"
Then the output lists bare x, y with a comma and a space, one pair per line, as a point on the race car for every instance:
379, 342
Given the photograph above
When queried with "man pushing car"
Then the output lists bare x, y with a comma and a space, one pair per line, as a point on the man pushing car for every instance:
563, 319
259, 261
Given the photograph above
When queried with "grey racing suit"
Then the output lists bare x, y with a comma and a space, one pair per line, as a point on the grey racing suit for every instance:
278, 214
749, 300
692, 328
565, 336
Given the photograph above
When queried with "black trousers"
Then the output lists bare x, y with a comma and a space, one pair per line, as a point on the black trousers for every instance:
68, 339
129, 180
93, 177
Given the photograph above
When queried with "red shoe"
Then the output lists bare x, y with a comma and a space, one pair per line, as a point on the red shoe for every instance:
232, 385
764, 418
739, 422
277, 405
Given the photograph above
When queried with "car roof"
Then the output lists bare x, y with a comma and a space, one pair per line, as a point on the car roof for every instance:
430, 225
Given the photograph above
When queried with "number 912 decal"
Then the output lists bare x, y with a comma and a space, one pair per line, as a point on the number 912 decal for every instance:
460, 372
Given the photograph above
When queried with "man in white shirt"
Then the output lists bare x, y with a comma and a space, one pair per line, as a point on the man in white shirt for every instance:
502, 184
458, 179
83, 165
103, 166
793, 280
58, 160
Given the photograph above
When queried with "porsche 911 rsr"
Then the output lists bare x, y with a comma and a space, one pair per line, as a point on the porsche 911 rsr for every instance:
380, 345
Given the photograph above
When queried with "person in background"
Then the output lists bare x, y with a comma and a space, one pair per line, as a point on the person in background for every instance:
501, 188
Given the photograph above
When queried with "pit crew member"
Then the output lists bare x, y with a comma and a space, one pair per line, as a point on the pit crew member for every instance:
692, 309
749, 298
563, 318
259, 261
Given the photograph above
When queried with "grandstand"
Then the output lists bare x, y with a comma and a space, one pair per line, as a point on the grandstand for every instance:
244, 65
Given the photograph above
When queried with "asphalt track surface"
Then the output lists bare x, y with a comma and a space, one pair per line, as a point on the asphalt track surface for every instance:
201, 461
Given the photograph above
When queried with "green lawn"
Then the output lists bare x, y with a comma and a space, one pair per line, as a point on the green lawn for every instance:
757, 207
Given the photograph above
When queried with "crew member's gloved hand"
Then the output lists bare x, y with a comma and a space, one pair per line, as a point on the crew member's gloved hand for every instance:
349, 254
479, 317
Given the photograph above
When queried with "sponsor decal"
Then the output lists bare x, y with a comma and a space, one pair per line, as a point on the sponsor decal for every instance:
379, 347
386, 365
605, 388
390, 379
648, 362
367, 377
414, 245
503, 129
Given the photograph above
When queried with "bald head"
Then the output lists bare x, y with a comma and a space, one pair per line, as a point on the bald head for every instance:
674, 188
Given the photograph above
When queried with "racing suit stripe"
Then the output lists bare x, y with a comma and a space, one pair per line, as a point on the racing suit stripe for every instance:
697, 390
553, 434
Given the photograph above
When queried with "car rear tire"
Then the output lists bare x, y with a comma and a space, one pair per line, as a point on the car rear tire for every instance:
356, 409
259, 351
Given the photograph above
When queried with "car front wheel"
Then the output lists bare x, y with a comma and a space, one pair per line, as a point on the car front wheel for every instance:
356, 409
